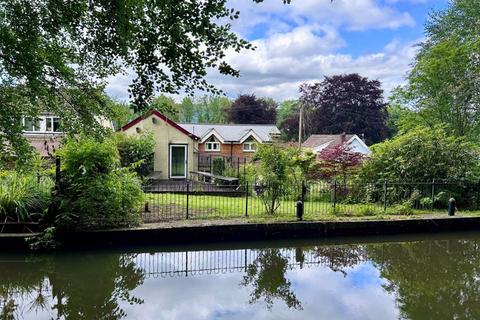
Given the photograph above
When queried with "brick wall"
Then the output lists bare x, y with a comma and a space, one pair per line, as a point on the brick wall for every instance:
227, 150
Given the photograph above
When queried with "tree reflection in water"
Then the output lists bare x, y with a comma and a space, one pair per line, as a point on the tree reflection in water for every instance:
430, 279
266, 275
78, 286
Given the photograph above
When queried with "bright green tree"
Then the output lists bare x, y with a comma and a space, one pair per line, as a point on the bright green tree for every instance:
444, 84
422, 154
57, 56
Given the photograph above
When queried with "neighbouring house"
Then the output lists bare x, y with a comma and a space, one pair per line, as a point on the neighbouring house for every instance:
45, 132
319, 142
180, 146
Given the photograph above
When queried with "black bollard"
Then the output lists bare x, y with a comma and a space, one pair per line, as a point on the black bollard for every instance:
452, 206
299, 210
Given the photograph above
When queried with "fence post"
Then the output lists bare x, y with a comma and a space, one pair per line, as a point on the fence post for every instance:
433, 193
304, 191
188, 192
246, 199
334, 195
385, 195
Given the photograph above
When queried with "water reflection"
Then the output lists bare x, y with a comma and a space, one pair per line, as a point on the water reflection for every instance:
422, 279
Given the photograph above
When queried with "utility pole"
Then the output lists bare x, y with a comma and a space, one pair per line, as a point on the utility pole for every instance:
300, 126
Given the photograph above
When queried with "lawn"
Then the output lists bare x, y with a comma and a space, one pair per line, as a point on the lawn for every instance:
171, 206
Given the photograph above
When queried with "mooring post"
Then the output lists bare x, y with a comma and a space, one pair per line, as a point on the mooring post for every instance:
452, 206
299, 210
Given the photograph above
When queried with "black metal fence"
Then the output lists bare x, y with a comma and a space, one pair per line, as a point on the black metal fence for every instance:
178, 200
193, 263
222, 165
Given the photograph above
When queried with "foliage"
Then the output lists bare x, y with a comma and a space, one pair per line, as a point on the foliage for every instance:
422, 155
45, 241
205, 109
346, 103
288, 119
443, 86
339, 161
96, 192
248, 109
218, 166
136, 151
167, 106
280, 171
58, 57
273, 175
23, 196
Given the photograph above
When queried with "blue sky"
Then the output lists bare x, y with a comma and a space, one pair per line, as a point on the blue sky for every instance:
308, 39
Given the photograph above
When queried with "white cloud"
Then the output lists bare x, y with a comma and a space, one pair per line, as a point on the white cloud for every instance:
300, 42
279, 66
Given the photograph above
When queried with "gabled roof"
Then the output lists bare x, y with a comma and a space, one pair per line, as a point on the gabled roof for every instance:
161, 116
234, 133
319, 142
329, 140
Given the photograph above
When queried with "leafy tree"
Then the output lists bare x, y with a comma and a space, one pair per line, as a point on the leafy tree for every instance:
346, 103
339, 161
205, 109
249, 109
95, 191
167, 106
288, 119
136, 151
58, 57
444, 84
422, 155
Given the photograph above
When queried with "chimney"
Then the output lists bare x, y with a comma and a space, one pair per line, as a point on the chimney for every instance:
344, 137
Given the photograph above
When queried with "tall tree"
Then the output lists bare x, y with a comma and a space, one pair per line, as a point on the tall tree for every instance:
444, 84
250, 109
57, 56
346, 103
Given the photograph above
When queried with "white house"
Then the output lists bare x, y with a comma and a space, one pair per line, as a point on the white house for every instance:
319, 142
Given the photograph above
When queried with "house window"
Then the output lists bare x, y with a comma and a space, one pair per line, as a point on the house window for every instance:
31, 124
53, 124
249, 146
212, 146
42, 124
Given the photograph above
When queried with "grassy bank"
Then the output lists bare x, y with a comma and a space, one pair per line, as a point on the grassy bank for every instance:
169, 206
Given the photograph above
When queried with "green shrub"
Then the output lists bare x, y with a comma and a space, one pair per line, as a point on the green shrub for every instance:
24, 197
423, 154
218, 166
96, 192
136, 151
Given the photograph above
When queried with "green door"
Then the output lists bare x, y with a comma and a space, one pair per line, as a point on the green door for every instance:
178, 161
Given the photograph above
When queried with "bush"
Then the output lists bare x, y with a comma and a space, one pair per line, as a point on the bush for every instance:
218, 166
96, 192
24, 197
422, 155
136, 151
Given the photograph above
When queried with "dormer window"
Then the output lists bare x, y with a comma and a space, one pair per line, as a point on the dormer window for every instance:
212, 145
249, 146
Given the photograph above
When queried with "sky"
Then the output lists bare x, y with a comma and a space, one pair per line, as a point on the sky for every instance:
309, 39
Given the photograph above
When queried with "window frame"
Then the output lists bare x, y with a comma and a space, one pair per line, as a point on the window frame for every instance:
42, 125
208, 145
252, 146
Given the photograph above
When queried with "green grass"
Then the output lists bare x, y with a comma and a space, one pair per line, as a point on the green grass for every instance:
173, 206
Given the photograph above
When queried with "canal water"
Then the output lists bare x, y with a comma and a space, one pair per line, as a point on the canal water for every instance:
415, 277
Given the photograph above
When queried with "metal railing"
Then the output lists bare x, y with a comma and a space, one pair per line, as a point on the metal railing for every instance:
178, 200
